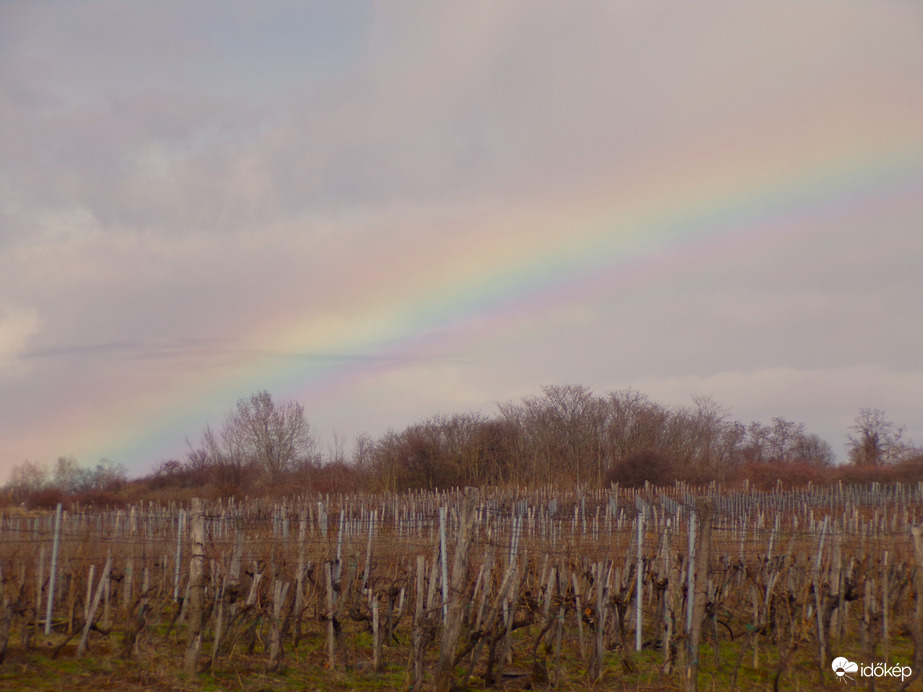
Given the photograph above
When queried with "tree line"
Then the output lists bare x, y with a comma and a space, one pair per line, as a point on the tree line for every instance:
95, 485
564, 435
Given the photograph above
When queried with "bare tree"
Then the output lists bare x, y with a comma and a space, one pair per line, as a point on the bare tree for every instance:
875, 440
336, 449
784, 442
27, 477
363, 451
634, 423
783, 438
561, 435
812, 449
69, 476
274, 436
259, 433
106, 475
707, 438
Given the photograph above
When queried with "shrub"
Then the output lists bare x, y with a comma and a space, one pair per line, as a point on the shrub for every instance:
910, 471
45, 498
100, 498
766, 475
651, 465
338, 477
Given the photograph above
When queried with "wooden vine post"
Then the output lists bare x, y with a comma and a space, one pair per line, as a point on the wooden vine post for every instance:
196, 588
456, 605
704, 510
917, 533
94, 606
330, 616
54, 569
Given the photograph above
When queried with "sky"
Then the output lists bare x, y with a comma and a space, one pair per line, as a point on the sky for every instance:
387, 211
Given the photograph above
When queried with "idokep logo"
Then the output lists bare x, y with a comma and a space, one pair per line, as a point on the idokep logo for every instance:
843, 667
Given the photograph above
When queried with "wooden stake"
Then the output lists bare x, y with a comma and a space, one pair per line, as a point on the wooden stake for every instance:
455, 606
703, 549
103, 579
196, 589
331, 614
54, 569
376, 635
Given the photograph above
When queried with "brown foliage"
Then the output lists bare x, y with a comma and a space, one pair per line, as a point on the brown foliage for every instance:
45, 498
565, 435
338, 477
100, 498
647, 465
910, 471
766, 475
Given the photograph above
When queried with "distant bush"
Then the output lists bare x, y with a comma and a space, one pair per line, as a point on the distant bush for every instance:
99, 498
910, 471
647, 465
338, 477
45, 498
766, 475
174, 474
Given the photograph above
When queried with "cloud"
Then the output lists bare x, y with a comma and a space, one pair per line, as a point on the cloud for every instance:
192, 189
506, 105
169, 349
402, 391
17, 327
204, 350
825, 399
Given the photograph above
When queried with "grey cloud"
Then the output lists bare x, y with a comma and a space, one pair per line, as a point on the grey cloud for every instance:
171, 348
176, 175
179, 349
509, 105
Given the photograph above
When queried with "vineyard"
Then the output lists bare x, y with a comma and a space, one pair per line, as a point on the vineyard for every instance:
669, 588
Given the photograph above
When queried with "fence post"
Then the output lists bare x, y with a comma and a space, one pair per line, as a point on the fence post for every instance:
576, 584
690, 572
639, 580
94, 606
419, 617
443, 560
818, 602
705, 510
180, 522
917, 533
331, 614
373, 516
196, 588
456, 605
276, 650
54, 568
376, 635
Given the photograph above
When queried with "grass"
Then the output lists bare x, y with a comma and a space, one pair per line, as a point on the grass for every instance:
158, 667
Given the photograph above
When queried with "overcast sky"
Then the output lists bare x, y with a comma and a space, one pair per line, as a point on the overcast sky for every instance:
390, 210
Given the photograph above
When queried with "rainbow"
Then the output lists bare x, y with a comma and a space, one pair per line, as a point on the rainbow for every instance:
505, 273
